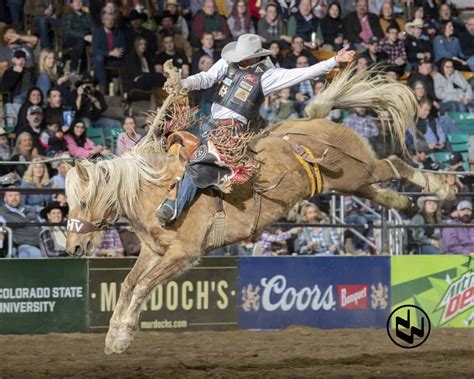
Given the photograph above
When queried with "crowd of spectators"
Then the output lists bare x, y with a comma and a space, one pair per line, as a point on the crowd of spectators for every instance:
59, 60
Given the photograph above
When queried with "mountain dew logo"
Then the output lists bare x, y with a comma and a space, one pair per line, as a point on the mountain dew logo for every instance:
458, 297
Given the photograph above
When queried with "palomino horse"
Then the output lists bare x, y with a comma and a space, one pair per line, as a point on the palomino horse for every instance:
134, 184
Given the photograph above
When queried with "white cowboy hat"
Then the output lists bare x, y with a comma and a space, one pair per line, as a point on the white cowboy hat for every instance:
423, 199
416, 23
248, 46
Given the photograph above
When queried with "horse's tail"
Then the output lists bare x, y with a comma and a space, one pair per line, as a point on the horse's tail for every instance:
391, 101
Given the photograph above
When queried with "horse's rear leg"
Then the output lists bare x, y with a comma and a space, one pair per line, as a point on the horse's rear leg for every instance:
387, 198
170, 265
145, 262
394, 168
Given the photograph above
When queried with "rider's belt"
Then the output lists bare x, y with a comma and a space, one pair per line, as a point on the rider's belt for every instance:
238, 126
306, 158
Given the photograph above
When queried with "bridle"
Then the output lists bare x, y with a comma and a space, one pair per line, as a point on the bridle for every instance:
80, 226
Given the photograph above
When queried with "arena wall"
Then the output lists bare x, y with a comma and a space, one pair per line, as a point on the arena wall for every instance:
78, 295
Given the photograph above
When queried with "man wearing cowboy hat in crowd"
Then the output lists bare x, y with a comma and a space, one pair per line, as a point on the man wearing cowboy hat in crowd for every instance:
460, 240
417, 48
53, 238
245, 75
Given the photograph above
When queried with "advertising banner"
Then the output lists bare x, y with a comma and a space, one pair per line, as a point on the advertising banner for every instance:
42, 296
443, 286
203, 298
322, 292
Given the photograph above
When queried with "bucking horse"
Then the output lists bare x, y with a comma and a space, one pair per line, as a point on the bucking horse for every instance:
294, 160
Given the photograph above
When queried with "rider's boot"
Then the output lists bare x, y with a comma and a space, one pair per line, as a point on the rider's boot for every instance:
170, 209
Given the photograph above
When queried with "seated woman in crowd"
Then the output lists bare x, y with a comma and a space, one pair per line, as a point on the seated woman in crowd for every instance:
447, 46
34, 96
53, 238
36, 176
388, 18
140, 73
239, 20
24, 151
314, 240
332, 26
79, 145
50, 75
430, 127
276, 57
129, 137
452, 89
429, 213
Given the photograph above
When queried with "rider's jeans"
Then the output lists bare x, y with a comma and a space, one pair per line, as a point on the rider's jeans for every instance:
186, 193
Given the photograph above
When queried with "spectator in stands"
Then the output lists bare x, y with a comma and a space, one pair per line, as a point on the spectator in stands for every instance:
273, 241
417, 48
315, 240
109, 48
52, 139
332, 27
272, 27
421, 159
430, 127
111, 245
460, 240
24, 151
36, 176
53, 238
423, 73
180, 24
239, 21
210, 21
54, 111
26, 238
455, 184
89, 105
428, 239
361, 122
79, 145
362, 63
384, 144
467, 42
360, 26
276, 56
306, 25
373, 53
298, 49
33, 97
18, 79
170, 52
395, 50
50, 75
303, 91
207, 48
15, 8
47, 15
445, 16
137, 30
205, 97
77, 33
109, 7
59, 180
388, 18
447, 46
279, 107
5, 150
452, 89
15, 41
167, 27
34, 126
140, 72
129, 138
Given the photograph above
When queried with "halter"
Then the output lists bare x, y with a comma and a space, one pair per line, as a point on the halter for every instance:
80, 226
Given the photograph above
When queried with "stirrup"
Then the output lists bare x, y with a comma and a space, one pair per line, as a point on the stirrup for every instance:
166, 212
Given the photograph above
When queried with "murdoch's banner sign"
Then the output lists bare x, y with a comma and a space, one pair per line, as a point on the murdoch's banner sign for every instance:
322, 292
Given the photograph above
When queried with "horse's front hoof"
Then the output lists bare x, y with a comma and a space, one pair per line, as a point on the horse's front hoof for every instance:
118, 341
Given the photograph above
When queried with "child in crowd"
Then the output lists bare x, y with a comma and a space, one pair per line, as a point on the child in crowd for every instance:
52, 139
279, 108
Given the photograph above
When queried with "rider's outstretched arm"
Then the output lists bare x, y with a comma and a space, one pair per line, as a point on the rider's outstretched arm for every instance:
206, 79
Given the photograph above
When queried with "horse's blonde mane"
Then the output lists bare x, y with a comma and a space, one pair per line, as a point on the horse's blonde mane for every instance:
116, 183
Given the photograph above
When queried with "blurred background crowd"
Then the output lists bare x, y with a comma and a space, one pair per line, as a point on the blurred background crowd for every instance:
76, 74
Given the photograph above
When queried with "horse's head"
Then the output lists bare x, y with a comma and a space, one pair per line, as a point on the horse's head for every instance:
91, 208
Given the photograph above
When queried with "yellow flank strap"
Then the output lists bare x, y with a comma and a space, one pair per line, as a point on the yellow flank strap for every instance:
315, 179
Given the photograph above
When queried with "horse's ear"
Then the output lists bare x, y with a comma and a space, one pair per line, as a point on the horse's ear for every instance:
82, 172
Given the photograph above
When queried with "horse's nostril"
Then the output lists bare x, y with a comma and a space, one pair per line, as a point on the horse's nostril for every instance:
77, 251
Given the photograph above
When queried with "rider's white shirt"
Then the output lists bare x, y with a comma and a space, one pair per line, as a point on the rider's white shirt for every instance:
274, 79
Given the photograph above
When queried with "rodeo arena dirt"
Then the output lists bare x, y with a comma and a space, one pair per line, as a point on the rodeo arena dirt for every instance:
254, 233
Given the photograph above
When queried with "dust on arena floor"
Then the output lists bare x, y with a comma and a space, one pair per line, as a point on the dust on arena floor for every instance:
294, 352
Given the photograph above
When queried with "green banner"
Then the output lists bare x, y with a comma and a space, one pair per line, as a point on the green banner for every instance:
443, 286
42, 296
205, 297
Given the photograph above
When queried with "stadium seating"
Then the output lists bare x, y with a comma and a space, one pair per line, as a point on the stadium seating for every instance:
96, 135
110, 135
